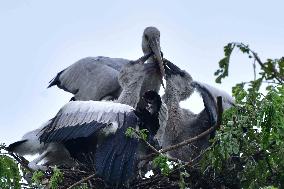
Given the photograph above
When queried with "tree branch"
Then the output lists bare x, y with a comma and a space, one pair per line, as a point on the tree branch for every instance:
154, 149
22, 161
276, 74
82, 181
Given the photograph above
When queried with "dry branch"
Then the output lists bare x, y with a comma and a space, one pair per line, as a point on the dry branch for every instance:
82, 181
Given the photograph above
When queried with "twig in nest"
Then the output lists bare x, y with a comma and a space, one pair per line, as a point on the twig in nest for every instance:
157, 151
82, 181
147, 143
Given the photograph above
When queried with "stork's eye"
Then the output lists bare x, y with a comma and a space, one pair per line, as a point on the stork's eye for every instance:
146, 37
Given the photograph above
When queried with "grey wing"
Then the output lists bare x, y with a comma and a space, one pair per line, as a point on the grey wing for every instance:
83, 118
227, 100
209, 95
91, 78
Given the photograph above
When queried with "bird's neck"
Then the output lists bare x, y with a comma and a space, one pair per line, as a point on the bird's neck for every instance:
130, 95
171, 98
152, 82
172, 129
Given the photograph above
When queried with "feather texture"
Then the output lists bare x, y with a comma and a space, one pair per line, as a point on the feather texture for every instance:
80, 78
116, 157
205, 89
83, 118
101, 134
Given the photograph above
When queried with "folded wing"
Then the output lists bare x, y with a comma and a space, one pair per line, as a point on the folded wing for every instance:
209, 95
86, 78
85, 121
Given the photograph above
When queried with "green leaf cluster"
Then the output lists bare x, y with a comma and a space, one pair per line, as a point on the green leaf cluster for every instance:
272, 70
56, 178
248, 150
37, 177
162, 163
141, 134
9, 173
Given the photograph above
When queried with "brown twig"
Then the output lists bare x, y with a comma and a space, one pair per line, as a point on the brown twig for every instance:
146, 142
154, 149
219, 112
82, 181
276, 74
181, 144
22, 161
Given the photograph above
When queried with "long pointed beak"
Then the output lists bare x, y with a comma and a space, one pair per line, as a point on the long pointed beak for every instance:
155, 47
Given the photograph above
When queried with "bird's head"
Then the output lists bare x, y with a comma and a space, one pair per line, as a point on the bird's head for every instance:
153, 102
149, 112
151, 44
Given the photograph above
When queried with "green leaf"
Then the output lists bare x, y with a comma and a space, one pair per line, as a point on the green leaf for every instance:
161, 162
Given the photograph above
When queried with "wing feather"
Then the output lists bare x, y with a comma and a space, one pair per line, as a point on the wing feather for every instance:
86, 77
205, 89
209, 95
83, 118
116, 157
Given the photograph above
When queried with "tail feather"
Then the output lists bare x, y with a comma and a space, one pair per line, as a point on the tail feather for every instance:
55, 80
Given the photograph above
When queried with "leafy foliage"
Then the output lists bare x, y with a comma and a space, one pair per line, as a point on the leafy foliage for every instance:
9, 171
272, 69
13, 176
56, 178
182, 183
249, 147
37, 177
142, 134
162, 163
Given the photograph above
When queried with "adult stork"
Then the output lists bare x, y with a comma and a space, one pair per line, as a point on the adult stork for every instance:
182, 123
96, 78
98, 127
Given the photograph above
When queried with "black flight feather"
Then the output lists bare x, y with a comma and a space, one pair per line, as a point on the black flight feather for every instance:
13, 146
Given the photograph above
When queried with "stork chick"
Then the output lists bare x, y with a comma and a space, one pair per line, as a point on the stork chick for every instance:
182, 123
